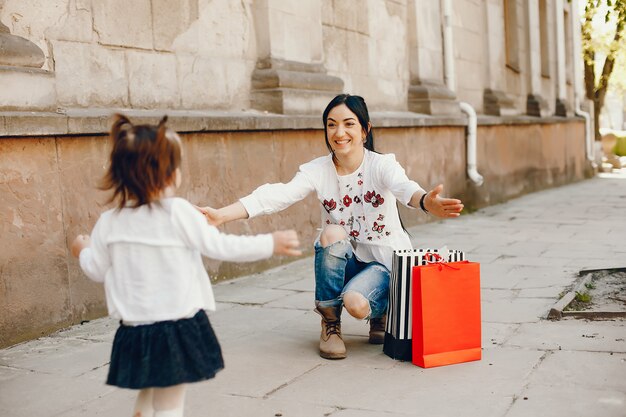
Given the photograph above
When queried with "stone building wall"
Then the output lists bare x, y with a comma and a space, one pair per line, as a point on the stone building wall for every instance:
253, 54
49, 195
140, 54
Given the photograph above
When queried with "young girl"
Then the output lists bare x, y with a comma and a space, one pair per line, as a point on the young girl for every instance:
147, 252
357, 189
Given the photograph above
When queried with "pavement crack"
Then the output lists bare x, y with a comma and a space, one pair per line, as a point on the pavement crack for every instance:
525, 386
94, 369
268, 394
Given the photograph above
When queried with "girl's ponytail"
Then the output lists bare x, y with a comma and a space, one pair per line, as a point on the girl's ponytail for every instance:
143, 161
165, 163
121, 127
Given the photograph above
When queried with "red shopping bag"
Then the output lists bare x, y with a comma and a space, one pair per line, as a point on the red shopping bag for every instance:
446, 313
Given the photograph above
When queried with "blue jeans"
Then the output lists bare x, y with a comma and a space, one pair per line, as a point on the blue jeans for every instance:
337, 271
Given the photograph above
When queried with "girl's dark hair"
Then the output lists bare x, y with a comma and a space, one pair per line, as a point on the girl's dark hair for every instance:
143, 161
357, 105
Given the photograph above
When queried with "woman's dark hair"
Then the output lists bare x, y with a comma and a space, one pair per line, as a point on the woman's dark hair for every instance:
143, 161
357, 105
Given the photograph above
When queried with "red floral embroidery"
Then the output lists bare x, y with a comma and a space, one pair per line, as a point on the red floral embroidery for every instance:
375, 199
347, 200
342, 223
378, 227
330, 205
381, 217
354, 233
360, 182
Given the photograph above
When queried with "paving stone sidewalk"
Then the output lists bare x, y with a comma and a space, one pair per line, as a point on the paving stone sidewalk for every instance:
530, 250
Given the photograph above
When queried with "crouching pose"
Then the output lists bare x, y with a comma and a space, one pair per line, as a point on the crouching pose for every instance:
357, 189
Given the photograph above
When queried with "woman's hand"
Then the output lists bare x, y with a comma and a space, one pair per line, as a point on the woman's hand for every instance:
441, 206
80, 242
286, 243
212, 215
217, 217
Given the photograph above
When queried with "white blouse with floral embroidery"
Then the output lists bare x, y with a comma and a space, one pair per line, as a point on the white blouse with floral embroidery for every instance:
363, 202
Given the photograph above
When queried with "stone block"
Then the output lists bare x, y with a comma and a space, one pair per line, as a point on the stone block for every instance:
124, 23
27, 89
288, 6
284, 41
346, 15
76, 23
89, 75
223, 29
328, 15
170, 20
432, 98
152, 80
291, 101
288, 87
32, 124
537, 106
562, 108
469, 15
498, 103
19, 52
213, 82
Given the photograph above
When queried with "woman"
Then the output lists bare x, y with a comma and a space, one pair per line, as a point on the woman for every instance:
357, 188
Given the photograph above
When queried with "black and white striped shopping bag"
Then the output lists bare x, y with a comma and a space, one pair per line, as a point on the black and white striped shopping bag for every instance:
398, 333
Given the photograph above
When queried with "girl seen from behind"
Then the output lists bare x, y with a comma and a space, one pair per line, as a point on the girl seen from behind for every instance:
147, 252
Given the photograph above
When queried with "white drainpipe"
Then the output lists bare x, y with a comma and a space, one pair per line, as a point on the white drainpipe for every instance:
472, 172
576, 54
449, 76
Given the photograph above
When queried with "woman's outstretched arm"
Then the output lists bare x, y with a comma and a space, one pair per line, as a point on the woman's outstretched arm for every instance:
216, 217
266, 199
436, 205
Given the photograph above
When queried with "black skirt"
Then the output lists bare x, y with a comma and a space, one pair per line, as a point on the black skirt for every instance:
165, 353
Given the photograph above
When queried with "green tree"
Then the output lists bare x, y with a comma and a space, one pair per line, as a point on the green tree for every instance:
604, 51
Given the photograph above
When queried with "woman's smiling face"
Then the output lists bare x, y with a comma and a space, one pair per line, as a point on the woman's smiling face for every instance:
344, 132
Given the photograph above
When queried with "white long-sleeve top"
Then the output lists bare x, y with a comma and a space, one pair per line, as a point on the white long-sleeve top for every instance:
149, 259
383, 182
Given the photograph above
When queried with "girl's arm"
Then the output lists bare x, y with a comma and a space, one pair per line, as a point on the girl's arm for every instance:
92, 253
226, 247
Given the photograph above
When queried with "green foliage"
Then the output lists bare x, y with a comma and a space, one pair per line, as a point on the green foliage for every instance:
620, 146
603, 39
590, 286
583, 297
604, 50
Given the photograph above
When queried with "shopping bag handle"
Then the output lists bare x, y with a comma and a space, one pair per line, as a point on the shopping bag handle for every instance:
438, 260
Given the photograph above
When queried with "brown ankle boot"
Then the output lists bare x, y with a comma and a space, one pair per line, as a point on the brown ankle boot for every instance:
331, 343
377, 330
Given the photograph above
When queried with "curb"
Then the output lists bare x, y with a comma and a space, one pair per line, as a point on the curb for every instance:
557, 313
